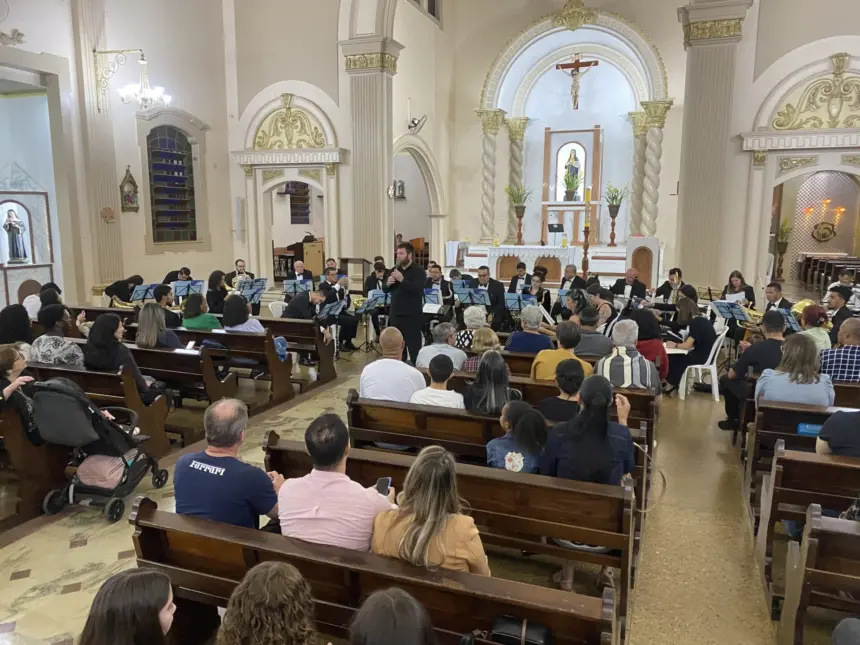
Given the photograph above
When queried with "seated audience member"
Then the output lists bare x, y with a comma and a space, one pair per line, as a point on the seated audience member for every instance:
151, 330
590, 447
215, 484
602, 300
797, 378
700, 340
591, 342
444, 341
237, 316
105, 352
216, 292
163, 295
49, 297
837, 302
52, 346
475, 318
843, 363
15, 328
33, 302
525, 435
131, 607
15, 389
326, 506
121, 290
530, 340
840, 435
177, 275
428, 529
545, 363
846, 279
625, 366
568, 377
650, 340
490, 392
389, 378
484, 340
391, 617
438, 393
760, 357
813, 319
196, 314
273, 605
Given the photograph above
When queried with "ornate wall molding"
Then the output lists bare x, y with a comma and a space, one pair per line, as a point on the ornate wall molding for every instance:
759, 159
851, 160
371, 62
269, 175
788, 164
655, 112
491, 120
712, 30
639, 120
310, 173
574, 15
288, 128
517, 127
331, 169
801, 139
298, 157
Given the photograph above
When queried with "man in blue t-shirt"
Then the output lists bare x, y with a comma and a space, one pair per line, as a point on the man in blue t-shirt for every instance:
215, 484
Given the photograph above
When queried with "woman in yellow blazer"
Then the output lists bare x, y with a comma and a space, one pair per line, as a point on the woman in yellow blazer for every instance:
428, 529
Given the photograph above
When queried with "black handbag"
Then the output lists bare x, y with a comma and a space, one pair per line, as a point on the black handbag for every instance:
512, 631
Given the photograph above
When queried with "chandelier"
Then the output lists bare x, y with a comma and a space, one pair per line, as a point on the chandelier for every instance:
143, 94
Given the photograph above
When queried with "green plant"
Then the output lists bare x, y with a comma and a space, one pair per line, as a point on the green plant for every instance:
571, 183
518, 196
784, 232
614, 195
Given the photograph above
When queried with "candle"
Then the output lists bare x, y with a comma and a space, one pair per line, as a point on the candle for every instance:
588, 195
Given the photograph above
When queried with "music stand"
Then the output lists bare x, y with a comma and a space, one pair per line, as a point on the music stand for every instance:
183, 289
790, 321
252, 290
295, 287
476, 297
432, 297
461, 285
554, 234
730, 310
139, 294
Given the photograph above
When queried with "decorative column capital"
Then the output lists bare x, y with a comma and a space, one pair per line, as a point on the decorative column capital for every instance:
249, 170
640, 123
759, 159
655, 112
517, 127
713, 22
372, 54
331, 169
491, 120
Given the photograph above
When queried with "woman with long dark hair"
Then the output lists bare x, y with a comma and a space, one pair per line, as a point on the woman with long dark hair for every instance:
131, 608
106, 352
15, 328
490, 392
391, 617
121, 290
525, 435
237, 316
195, 313
569, 376
217, 292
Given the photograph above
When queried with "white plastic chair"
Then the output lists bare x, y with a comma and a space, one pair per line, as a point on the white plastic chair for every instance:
106, 300
710, 367
277, 308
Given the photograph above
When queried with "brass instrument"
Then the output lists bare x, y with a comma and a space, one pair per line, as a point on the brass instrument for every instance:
797, 312
754, 322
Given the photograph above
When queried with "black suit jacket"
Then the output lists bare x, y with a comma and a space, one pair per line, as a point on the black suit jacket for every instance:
372, 283
300, 307
232, 276
665, 290
637, 290
528, 280
172, 276
496, 291
544, 300
306, 275
333, 295
576, 283
447, 291
838, 318
407, 296
781, 304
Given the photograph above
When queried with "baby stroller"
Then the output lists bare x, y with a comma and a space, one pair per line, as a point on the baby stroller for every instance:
107, 455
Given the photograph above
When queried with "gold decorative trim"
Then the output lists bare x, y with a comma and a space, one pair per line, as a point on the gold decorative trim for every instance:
851, 160
787, 164
822, 103
289, 128
639, 120
311, 174
491, 120
249, 170
269, 175
575, 15
380, 61
759, 159
331, 169
517, 127
713, 30
655, 112
99, 289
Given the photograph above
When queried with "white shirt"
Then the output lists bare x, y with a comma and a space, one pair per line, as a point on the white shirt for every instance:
627, 289
438, 398
457, 356
519, 284
390, 380
32, 304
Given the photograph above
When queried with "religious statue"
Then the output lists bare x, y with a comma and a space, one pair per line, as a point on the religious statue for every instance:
15, 230
578, 68
128, 193
572, 167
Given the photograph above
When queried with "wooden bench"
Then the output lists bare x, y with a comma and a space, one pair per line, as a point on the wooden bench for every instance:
796, 480
206, 561
118, 389
817, 569
514, 510
520, 363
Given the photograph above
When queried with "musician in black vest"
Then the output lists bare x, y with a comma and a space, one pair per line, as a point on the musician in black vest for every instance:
406, 285
375, 282
335, 290
496, 311
437, 281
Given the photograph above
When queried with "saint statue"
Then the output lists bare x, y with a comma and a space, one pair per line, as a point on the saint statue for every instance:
572, 166
15, 230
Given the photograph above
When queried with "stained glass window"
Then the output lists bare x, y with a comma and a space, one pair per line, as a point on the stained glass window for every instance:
171, 185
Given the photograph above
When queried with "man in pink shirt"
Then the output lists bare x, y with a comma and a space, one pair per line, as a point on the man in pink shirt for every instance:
326, 506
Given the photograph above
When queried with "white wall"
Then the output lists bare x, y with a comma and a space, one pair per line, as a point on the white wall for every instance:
47, 26
411, 215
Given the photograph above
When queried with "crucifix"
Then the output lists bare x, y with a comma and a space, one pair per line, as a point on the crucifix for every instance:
578, 68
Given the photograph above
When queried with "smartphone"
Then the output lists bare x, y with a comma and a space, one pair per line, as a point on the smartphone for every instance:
382, 485
190, 345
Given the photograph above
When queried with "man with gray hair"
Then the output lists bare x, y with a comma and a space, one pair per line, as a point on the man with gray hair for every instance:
625, 366
215, 484
444, 342
530, 340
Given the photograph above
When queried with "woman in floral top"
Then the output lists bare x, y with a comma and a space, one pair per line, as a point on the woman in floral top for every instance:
520, 449
52, 346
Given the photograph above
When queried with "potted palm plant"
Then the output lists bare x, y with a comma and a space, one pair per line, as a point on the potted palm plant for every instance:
614, 197
519, 196
571, 187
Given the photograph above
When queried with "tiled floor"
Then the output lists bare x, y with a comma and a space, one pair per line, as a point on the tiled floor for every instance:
697, 580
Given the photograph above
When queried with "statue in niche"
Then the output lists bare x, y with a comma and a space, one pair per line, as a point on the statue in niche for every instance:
15, 231
128, 193
572, 166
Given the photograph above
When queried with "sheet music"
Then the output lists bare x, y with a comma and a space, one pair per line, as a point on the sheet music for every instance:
432, 309
735, 297
546, 316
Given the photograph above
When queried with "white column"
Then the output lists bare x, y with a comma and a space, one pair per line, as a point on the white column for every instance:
655, 120
758, 221
711, 34
637, 188
332, 212
491, 121
265, 208
371, 63
516, 132
251, 217
438, 235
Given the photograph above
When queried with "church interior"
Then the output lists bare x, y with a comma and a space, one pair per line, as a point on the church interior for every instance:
601, 145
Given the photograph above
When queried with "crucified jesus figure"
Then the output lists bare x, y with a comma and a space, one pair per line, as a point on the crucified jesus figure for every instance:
578, 68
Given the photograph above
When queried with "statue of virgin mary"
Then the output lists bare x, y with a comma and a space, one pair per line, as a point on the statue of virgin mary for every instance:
572, 165
15, 230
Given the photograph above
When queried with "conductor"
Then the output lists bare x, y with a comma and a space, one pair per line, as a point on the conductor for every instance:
406, 285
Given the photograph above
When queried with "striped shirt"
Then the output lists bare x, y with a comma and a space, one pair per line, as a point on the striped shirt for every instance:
626, 367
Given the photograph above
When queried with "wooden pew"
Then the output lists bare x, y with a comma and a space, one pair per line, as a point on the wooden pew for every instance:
305, 336
520, 363
116, 389
514, 510
847, 394
796, 480
207, 560
824, 564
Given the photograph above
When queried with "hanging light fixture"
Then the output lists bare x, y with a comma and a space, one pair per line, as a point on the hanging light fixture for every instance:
143, 94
